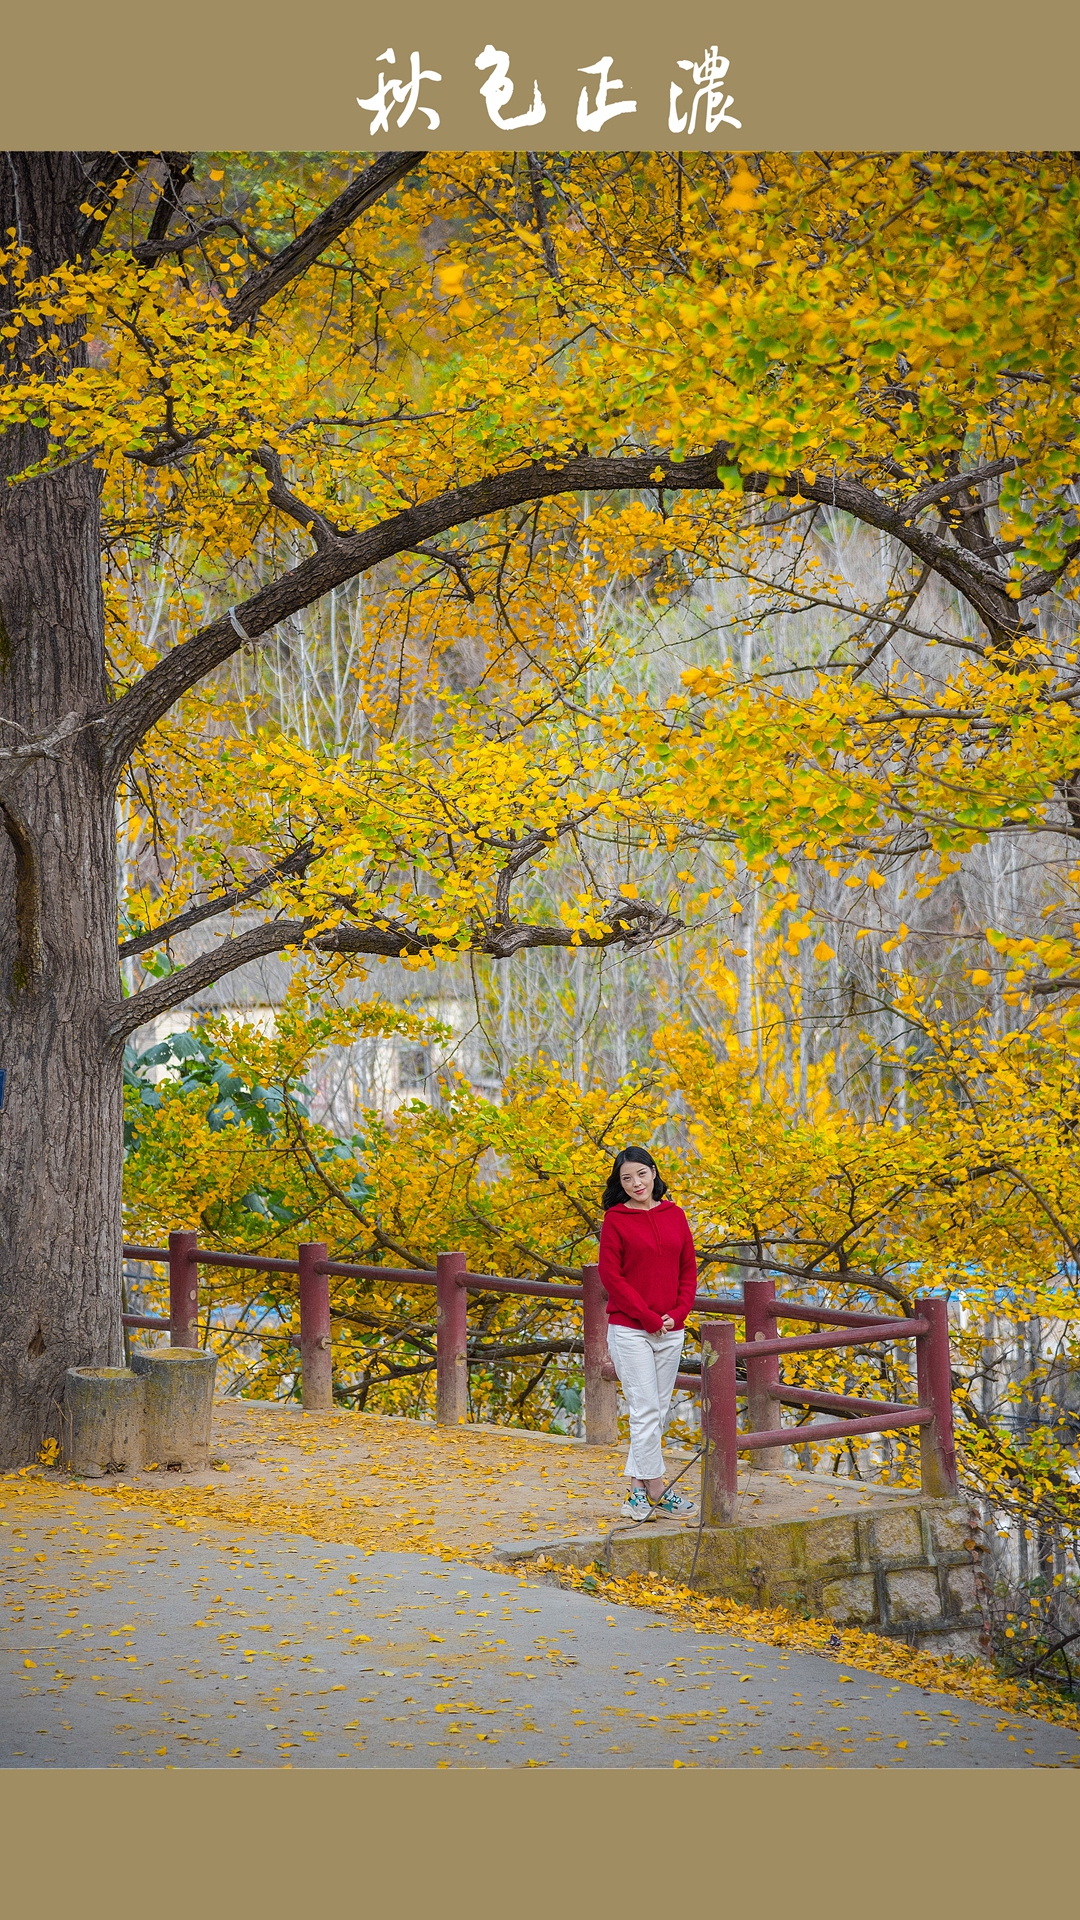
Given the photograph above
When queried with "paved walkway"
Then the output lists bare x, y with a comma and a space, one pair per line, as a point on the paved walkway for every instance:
130, 1642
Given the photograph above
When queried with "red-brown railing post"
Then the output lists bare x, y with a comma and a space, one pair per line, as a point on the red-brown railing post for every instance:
316, 1355
183, 1290
762, 1411
601, 1394
452, 1322
719, 1424
934, 1368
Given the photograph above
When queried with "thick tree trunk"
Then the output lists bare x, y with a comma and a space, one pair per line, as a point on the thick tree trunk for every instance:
61, 1131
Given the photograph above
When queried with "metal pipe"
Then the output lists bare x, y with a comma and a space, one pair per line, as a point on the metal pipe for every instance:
251, 1262
498, 1280
475, 1282
834, 1402
829, 1316
401, 1276
538, 1288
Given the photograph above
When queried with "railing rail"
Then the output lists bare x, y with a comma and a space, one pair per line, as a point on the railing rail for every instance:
718, 1382
818, 1342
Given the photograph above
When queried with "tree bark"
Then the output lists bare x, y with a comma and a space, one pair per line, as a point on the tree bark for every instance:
61, 1132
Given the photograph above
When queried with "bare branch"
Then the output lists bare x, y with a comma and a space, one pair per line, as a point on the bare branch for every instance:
631, 923
294, 863
148, 251
895, 625
943, 490
322, 531
170, 202
43, 746
536, 179
1041, 1201
445, 557
124, 1016
848, 1276
337, 561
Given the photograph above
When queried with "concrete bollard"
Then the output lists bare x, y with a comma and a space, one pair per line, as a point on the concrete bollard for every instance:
102, 1421
179, 1401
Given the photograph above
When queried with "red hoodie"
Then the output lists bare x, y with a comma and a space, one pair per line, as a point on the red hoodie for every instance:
647, 1265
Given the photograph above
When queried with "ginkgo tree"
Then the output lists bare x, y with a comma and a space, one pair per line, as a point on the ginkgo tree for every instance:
256, 378
977, 1196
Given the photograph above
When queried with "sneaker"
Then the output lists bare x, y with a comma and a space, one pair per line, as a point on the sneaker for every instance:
637, 1505
673, 1504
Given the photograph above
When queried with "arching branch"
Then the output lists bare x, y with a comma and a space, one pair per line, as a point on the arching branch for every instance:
338, 559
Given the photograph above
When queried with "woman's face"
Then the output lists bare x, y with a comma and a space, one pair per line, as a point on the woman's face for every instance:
637, 1181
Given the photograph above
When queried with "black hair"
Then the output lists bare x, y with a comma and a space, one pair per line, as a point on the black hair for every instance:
615, 1193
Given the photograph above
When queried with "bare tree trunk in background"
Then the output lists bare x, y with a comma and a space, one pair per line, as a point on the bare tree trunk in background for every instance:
806, 989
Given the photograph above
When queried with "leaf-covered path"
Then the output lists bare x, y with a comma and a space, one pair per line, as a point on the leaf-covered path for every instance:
379, 1481
132, 1638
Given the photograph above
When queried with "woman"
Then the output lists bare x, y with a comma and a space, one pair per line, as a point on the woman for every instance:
648, 1267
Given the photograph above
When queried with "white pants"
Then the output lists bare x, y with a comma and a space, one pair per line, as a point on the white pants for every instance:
646, 1364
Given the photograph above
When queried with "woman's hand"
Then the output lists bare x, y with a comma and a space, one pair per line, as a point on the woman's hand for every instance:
667, 1324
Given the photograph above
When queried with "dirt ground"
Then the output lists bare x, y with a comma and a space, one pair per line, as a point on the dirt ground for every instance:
392, 1482
395, 1483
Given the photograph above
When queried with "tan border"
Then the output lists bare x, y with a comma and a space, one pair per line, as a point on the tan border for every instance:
262, 74
258, 74
627, 1844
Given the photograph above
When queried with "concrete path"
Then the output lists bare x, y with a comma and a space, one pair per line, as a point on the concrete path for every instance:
129, 1642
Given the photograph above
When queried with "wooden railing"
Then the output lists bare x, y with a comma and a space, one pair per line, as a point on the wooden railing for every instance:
718, 1382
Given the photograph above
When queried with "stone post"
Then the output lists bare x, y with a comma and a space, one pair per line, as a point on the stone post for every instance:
102, 1421
179, 1404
